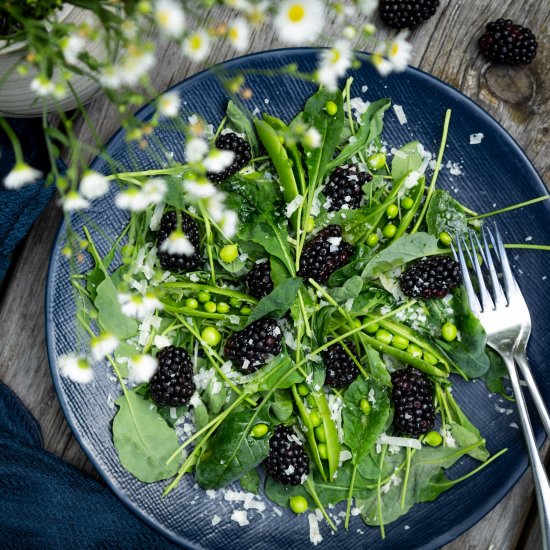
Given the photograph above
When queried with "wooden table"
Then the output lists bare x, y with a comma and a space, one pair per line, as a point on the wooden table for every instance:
519, 98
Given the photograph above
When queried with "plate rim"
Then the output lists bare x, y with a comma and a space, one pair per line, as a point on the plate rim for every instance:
450, 534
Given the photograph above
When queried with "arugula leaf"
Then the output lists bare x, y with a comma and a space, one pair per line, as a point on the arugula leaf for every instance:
251, 481
328, 126
215, 400
370, 128
404, 250
349, 290
281, 494
445, 214
269, 377
232, 451
360, 430
495, 374
406, 160
143, 440
377, 367
278, 302
281, 407
241, 123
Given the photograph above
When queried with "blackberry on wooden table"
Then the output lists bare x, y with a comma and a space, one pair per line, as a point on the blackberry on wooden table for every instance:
406, 14
507, 43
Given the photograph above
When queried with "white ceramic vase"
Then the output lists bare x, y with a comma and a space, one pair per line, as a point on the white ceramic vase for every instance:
16, 97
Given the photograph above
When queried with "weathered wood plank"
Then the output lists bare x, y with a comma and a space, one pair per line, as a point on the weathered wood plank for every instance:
519, 98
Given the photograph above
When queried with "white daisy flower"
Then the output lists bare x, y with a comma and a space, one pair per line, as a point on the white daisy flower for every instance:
141, 368
312, 138
238, 34
170, 17
132, 199
228, 224
195, 150
109, 77
74, 201
367, 7
93, 185
334, 64
59, 90
42, 86
71, 47
218, 160
215, 206
102, 345
76, 367
169, 104
21, 174
399, 52
299, 21
154, 190
133, 66
135, 305
197, 45
199, 188
382, 65
177, 243
160, 341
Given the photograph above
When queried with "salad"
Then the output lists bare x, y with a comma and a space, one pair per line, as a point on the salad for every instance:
317, 345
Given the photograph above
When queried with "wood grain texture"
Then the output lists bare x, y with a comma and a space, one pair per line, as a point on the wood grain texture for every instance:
446, 46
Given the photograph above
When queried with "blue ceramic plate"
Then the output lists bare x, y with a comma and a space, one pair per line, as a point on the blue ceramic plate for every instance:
494, 173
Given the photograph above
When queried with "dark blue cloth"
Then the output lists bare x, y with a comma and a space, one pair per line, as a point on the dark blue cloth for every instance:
19, 209
45, 503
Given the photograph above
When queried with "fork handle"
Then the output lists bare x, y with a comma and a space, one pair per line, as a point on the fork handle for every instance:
521, 360
542, 487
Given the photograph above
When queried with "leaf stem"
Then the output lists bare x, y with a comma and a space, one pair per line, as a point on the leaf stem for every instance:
406, 480
350, 496
509, 208
379, 493
310, 487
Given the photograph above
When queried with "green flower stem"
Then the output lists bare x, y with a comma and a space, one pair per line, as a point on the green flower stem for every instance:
406, 480
212, 289
304, 314
17, 150
208, 242
379, 493
350, 496
310, 488
528, 246
436, 172
172, 171
509, 208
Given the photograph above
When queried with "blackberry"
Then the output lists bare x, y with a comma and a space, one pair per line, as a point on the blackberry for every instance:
255, 345
505, 42
178, 262
400, 15
345, 187
433, 277
324, 254
173, 384
287, 461
340, 367
243, 154
258, 280
413, 399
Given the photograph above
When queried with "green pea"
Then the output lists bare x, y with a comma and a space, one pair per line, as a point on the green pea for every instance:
382, 335
222, 307
391, 211
203, 296
331, 108
372, 240
365, 406
414, 350
389, 231
229, 253
320, 434
433, 439
372, 328
323, 450
191, 303
210, 307
430, 358
245, 310
399, 342
315, 419
407, 203
235, 302
303, 389
259, 430
449, 331
376, 161
445, 238
211, 335
298, 504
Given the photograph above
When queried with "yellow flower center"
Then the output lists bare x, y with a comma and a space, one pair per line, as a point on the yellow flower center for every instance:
195, 42
163, 17
394, 49
233, 34
335, 56
296, 13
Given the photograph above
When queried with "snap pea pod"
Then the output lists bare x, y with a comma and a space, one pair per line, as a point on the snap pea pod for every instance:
310, 433
333, 443
403, 356
407, 218
407, 332
292, 151
283, 165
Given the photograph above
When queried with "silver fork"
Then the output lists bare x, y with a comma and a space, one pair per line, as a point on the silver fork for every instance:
506, 320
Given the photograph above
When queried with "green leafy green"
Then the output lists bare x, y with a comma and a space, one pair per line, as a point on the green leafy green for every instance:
495, 374
278, 302
270, 376
445, 214
251, 481
143, 440
407, 159
241, 123
349, 290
